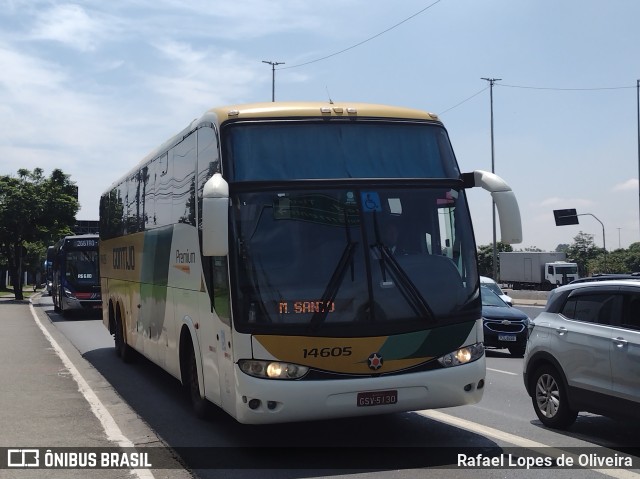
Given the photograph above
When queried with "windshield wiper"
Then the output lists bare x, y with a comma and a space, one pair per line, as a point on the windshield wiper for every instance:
333, 285
407, 288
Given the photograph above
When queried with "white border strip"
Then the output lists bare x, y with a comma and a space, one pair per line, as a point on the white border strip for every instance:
518, 441
113, 432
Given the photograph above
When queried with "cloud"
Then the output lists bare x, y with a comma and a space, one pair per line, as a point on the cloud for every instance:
70, 25
564, 203
248, 19
629, 185
200, 78
21, 74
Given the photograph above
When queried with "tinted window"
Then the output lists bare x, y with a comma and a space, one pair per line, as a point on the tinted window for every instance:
183, 183
591, 308
285, 150
631, 312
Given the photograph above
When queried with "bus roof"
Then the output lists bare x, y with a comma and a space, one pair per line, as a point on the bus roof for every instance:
291, 109
317, 109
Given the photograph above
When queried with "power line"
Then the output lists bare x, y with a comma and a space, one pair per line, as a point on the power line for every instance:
565, 89
363, 41
463, 101
526, 87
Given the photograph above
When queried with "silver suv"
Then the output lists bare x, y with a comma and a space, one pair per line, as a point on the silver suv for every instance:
583, 353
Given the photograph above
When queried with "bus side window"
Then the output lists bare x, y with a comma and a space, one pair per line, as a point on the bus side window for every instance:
208, 162
220, 280
183, 197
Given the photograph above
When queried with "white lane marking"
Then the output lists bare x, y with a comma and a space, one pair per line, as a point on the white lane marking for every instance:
503, 372
113, 432
521, 441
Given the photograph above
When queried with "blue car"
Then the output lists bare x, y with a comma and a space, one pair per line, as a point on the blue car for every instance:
505, 327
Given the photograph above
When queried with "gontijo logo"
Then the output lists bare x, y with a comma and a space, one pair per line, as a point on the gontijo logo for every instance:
124, 257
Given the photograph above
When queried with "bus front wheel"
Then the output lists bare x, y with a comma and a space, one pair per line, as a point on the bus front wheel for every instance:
122, 348
56, 306
61, 309
201, 405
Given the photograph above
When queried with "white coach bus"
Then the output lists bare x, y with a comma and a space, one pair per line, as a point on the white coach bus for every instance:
299, 261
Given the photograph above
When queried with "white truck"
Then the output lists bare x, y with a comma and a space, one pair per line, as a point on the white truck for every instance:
536, 270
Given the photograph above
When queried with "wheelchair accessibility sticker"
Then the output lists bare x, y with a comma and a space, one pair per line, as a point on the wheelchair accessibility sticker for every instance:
370, 202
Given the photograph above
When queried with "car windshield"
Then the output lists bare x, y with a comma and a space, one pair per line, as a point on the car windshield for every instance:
493, 287
489, 298
567, 270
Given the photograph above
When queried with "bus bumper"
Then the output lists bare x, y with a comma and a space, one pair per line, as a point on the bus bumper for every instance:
272, 401
77, 304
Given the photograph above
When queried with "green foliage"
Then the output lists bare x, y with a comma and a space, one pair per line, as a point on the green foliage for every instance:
485, 258
35, 211
583, 251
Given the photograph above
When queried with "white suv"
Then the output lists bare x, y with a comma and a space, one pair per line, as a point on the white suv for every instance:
493, 286
583, 353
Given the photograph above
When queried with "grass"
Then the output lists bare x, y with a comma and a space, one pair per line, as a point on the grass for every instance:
27, 292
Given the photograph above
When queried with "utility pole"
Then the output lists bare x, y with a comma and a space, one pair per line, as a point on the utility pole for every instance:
273, 77
493, 170
619, 238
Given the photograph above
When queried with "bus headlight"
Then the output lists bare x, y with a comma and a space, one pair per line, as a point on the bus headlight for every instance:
68, 293
272, 369
462, 356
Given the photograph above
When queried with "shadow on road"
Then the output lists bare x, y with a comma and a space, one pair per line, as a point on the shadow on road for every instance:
385, 442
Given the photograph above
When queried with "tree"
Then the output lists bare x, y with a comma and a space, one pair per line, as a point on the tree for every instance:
632, 260
34, 212
485, 258
582, 251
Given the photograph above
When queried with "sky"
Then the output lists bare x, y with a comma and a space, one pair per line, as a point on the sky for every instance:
91, 87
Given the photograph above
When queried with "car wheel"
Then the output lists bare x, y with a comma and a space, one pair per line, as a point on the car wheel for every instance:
201, 406
550, 399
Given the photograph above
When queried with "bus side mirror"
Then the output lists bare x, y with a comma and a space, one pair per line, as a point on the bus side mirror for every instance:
505, 200
215, 217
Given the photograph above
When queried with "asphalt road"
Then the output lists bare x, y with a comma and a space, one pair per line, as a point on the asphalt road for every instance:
146, 396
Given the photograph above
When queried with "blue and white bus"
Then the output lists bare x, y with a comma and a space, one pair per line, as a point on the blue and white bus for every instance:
75, 274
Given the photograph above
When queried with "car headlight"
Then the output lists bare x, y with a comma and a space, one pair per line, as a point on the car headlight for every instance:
272, 369
530, 325
462, 356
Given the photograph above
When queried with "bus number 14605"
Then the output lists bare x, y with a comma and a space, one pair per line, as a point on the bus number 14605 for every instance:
327, 352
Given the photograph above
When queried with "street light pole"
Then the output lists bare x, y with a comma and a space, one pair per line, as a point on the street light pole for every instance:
273, 77
638, 113
604, 240
493, 170
619, 238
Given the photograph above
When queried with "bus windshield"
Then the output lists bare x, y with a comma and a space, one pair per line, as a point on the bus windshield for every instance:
353, 260
81, 268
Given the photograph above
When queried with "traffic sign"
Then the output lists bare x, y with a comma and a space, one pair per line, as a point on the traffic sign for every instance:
565, 217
